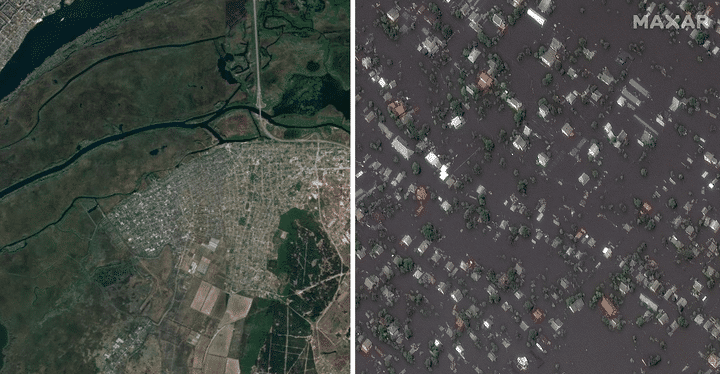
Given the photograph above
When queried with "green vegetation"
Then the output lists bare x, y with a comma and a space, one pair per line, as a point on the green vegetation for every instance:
307, 258
528, 306
484, 214
640, 321
518, 117
637, 202
416, 168
312, 66
547, 80
681, 129
682, 322
435, 9
488, 143
111, 274
306, 261
391, 28
430, 232
124, 166
522, 186
305, 63
597, 296
256, 328
291, 134
307, 95
58, 266
532, 336
514, 280
283, 320
484, 39
524, 231
405, 264
236, 126
516, 15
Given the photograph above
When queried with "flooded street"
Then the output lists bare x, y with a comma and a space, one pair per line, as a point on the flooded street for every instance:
556, 207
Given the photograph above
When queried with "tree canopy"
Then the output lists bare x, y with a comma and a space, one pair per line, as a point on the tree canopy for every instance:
430, 232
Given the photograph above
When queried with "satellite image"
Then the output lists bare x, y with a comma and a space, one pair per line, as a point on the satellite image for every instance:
537, 186
175, 186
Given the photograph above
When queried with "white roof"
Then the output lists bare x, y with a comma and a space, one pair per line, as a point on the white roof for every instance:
457, 296
457, 121
407, 240
594, 150
398, 145
498, 21
584, 178
651, 304
445, 205
542, 159
536, 16
433, 159
393, 14
473, 55
514, 103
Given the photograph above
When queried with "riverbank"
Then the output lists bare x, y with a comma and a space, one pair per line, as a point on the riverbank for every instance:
27, 64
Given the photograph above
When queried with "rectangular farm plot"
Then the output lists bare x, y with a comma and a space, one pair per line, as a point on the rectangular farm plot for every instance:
220, 345
203, 267
232, 366
238, 308
210, 301
200, 296
199, 352
215, 365
198, 356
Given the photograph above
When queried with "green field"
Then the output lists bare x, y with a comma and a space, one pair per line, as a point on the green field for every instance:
257, 326
265, 329
307, 258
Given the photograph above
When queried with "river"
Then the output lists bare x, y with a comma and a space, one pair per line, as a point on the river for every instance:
205, 124
56, 30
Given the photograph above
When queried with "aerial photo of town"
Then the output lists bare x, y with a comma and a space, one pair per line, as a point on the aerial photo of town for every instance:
537, 186
175, 186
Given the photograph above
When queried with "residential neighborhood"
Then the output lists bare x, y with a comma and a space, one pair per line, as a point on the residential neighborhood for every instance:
547, 202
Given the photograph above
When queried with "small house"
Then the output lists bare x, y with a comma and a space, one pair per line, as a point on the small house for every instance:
577, 305
584, 178
485, 81
520, 143
608, 308
393, 14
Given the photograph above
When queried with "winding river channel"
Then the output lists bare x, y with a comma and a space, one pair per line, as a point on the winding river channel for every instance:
189, 124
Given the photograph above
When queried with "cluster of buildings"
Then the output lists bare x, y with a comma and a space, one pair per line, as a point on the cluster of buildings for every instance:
17, 17
548, 142
124, 345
